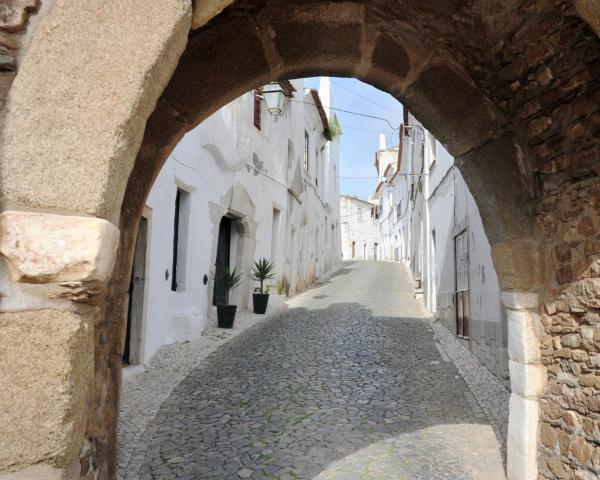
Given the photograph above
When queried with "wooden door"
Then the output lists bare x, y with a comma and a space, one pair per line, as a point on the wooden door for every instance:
462, 284
135, 313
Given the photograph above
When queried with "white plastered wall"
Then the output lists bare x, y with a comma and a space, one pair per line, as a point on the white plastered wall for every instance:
229, 167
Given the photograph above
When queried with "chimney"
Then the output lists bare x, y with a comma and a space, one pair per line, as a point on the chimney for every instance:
382, 141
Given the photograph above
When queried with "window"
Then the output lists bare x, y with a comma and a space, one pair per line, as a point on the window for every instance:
323, 172
275, 235
335, 179
316, 167
306, 149
257, 108
290, 159
180, 234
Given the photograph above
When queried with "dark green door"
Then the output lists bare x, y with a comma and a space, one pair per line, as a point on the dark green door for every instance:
223, 257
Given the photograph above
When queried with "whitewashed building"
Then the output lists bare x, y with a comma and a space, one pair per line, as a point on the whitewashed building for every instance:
360, 230
241, 186
429, 220
386, 198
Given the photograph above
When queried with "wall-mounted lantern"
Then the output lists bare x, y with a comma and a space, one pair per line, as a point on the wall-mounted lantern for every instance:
274, 97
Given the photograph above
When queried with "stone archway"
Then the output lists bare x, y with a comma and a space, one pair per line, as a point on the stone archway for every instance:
510, 92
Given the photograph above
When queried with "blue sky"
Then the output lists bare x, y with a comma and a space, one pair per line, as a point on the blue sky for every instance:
360, 137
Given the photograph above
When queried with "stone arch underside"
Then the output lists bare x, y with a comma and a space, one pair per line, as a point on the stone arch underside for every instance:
512, 96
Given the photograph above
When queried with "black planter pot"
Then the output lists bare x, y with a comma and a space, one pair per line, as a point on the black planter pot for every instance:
260, 300
225, 315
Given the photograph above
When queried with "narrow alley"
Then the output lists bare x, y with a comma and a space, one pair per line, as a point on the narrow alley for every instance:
291, 239
346, 383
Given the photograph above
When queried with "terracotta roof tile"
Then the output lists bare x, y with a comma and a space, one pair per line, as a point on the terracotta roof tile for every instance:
320, 109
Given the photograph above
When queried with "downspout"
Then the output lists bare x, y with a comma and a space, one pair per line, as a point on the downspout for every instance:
410, 207
427, 227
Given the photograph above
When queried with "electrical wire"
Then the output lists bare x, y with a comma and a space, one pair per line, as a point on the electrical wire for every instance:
300, 114
357, 178
366, 130
356, 214
351, 113
345, 111
365, 98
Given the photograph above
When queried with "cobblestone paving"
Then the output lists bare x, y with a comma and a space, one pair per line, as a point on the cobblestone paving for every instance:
491, 395
143, 393
345, 384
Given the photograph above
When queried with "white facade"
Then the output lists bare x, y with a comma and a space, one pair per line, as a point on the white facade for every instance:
360, 231
387, 198
276, 185
429, 219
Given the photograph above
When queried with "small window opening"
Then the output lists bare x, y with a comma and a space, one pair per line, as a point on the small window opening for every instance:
180, 235
257, 108
306, 149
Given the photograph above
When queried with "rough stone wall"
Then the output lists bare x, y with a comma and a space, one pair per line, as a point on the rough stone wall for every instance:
14, 15
570, 411
550, 68
555, 93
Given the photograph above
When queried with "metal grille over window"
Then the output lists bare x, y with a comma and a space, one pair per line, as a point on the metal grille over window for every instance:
462, 285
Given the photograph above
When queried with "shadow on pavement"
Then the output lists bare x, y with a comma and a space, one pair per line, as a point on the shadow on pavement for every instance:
331, 393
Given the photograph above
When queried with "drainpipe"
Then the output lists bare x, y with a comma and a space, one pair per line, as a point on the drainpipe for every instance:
408, 193
427, 227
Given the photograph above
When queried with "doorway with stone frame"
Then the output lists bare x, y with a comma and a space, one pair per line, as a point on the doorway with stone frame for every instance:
134, 331
234, 241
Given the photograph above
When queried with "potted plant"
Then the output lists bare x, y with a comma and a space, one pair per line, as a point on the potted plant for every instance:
261, 270
227, 281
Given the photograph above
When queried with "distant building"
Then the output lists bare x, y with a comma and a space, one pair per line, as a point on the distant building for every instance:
387, 199
241, 186
429, 220
360, 230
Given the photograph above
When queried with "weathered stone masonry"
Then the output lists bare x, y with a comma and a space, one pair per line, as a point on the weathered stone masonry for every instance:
570, 432
14, 16
522, 77
555, 90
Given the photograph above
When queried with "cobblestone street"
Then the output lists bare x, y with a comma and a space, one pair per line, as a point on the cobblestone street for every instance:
349, 382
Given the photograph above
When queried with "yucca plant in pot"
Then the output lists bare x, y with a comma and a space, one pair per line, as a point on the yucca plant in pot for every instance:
261, 270
227, 280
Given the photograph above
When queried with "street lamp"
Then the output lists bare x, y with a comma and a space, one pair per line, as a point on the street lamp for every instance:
274, 97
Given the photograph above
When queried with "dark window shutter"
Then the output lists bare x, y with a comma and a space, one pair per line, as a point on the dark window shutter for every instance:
257, 108
175, 241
